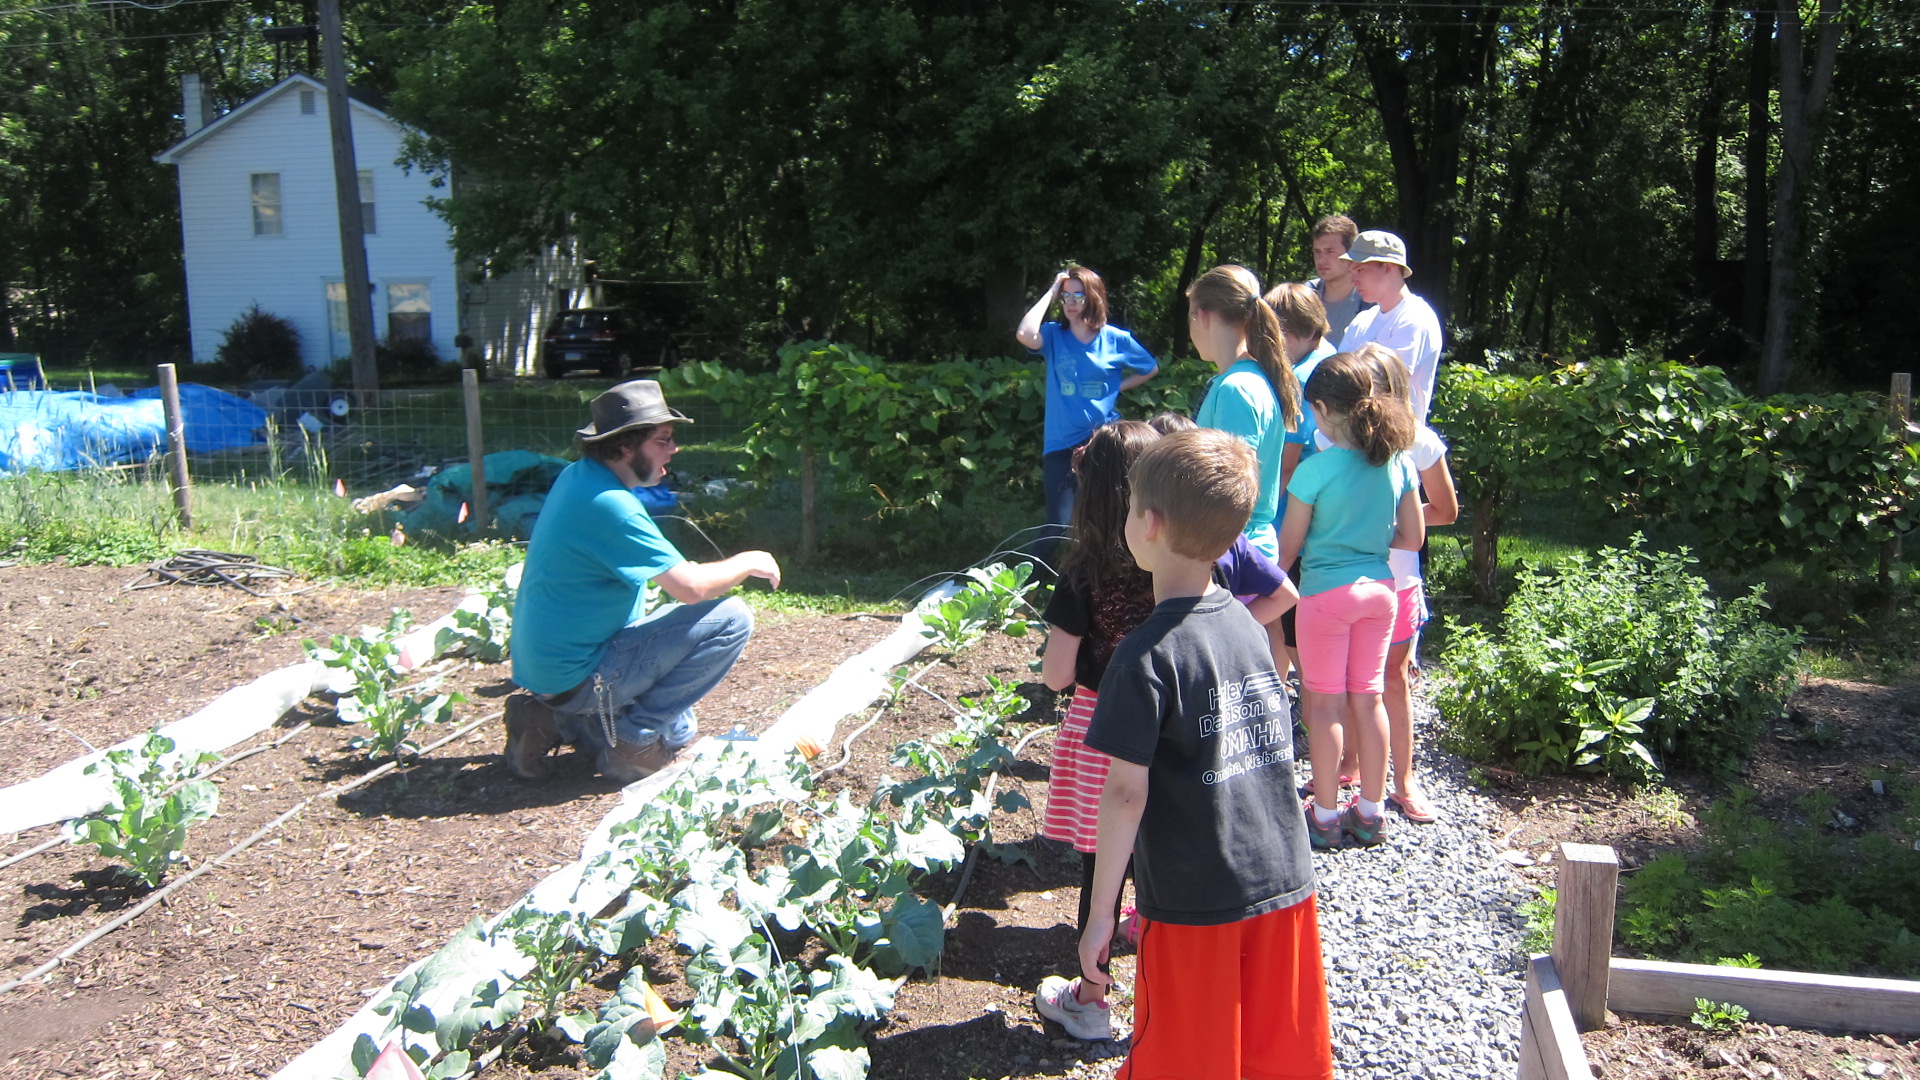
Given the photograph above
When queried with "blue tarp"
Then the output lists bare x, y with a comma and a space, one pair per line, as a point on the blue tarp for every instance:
53, 430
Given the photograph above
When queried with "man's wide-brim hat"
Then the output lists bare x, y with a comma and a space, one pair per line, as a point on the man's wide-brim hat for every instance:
630, 405
1378, 246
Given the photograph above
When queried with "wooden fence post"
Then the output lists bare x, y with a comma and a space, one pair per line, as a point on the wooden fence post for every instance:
476, 448
176, 445
1583, 929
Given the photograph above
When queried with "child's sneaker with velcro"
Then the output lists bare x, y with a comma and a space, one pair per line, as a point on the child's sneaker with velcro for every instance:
1365, 831
1058, 1002
1323, 837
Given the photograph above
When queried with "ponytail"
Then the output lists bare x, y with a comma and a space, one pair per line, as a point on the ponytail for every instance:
1270, 352
1377, 422
1380, 426
1233, 293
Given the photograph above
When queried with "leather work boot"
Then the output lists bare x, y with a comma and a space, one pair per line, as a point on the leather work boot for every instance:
627, 763
531, 736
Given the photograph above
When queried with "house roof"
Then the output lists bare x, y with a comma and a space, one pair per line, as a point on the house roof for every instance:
367, 100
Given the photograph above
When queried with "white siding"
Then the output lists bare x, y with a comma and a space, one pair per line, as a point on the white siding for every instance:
505, 314
230, 269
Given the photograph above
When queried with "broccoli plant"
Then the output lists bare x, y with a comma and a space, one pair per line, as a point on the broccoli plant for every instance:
991, 600
155, 802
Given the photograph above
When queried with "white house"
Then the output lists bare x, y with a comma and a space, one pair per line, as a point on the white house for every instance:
259, 225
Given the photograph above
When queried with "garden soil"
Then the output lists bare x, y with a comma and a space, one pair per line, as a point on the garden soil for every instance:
251, 963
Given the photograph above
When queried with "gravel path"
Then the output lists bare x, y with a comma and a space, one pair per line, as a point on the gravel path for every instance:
1422, 941
1421, 938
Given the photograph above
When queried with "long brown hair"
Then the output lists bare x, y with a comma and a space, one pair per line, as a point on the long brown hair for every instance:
1099, 554
1095, 310
1233, 293
1346, 391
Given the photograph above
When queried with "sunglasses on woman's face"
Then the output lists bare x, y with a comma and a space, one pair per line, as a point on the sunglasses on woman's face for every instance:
1066, 296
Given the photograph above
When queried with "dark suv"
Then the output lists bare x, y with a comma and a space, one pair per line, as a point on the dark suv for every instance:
610, 339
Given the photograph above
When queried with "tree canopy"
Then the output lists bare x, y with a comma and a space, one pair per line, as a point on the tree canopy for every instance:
1573, 178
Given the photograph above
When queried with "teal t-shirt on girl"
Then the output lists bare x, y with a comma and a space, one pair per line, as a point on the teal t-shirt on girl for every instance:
1083, 380
1240, 401
1354, 507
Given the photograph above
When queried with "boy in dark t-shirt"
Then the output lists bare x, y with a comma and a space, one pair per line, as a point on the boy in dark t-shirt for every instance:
1229, 980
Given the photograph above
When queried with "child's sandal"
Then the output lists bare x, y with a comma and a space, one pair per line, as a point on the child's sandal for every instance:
1412, 807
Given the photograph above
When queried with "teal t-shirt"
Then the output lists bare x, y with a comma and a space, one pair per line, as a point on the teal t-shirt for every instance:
1241, 402
594, 549
1354, 506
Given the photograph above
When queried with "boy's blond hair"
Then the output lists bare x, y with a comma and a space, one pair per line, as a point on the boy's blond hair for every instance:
1202, 484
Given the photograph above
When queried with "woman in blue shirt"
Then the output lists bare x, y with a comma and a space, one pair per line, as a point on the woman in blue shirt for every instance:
1088, 364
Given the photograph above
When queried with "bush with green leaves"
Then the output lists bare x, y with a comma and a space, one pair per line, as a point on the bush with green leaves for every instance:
155, 801
1621, 662
260, 345
1823, 479
1800, 895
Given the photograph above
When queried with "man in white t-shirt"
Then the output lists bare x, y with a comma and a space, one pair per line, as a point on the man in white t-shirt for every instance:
1399, 320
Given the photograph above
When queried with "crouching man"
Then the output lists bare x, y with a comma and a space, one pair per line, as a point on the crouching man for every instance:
602, 673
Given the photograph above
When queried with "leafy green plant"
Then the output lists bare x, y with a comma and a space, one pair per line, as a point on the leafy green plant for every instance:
155, 802
1537, 914
1745, 960
392, 715
482, 635
990, 600
1623, 662
1719, 1017
1793, 894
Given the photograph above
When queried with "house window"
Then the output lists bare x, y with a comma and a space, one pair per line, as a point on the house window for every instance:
266, 204
339, 338
409, 311
307, 104
366, 202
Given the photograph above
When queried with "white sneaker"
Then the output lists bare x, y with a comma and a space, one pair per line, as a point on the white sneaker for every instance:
1056, 1001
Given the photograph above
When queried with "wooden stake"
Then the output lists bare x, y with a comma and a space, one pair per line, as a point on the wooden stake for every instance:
1583, 929
476, 448
176, 445
1899, 417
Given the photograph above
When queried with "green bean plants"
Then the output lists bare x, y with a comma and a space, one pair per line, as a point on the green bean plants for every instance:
155, 802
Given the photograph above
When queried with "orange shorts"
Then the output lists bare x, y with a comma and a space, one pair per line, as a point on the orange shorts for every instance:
1243, 1000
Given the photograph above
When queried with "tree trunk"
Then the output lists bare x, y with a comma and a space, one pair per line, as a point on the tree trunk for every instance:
1486, 549
1706, 152
1759, 81
1803, 98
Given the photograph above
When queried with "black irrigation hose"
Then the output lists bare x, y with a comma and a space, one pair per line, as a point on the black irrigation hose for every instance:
199, 566
166, 890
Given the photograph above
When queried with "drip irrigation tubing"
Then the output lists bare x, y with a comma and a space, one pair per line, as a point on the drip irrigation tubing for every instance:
846, 747
170, 887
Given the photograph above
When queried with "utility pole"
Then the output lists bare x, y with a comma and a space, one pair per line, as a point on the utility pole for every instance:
346, 192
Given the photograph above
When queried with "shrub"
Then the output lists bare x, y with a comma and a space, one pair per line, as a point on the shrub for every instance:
260, 345
1612, 644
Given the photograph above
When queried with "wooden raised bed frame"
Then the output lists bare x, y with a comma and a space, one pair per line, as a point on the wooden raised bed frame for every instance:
1570, 989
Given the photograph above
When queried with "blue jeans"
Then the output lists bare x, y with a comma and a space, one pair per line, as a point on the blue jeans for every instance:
653, 672
1056, 475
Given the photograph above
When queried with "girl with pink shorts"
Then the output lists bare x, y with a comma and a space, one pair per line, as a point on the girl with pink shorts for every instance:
1347, 506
